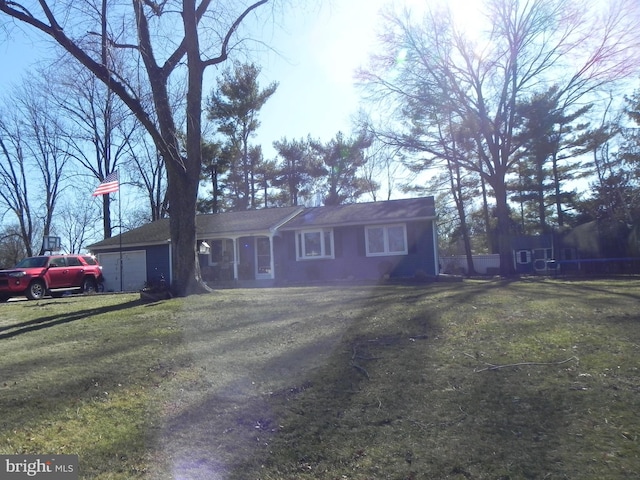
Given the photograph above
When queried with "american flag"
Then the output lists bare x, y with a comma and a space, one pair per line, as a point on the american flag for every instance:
110, 184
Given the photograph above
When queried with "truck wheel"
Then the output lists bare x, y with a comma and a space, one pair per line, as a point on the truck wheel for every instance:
89, 285
36, 290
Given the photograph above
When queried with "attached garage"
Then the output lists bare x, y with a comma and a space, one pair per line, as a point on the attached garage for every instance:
134, 270
146, 257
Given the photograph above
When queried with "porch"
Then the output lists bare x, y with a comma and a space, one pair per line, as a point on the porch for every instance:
230, 260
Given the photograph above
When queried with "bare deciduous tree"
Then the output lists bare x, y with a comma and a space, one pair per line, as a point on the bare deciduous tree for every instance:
101, 126
14, 188
75, 224
148, 173
431, 67
33, 156
11, 246
48, 152
204, 34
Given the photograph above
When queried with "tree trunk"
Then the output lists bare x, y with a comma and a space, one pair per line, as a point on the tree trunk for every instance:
214, 181
556, 181
542, 211
471, 269
184, 173
503, 229
485, 208
182, 194
456, 190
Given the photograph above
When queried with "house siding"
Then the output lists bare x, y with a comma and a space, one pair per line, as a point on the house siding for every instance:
351, 261
347, 222
158, 263
421, 258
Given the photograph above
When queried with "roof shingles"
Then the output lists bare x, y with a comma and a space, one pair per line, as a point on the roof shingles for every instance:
263, 221
364, 213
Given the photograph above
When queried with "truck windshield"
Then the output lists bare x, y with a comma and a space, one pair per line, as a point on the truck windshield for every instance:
32, 262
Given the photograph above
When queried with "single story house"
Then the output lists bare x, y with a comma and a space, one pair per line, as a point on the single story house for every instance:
360, 241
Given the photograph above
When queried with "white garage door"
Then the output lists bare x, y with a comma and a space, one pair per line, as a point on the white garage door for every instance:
134, 270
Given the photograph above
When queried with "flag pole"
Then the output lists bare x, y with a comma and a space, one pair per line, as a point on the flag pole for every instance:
120, 236
111, 184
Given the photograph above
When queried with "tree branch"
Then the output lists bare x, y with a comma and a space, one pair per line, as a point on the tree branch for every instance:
491, 366
224, 49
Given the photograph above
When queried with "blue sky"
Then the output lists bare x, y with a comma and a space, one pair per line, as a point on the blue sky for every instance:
318, 47
17, 54
315, 53
319, 56
316, 68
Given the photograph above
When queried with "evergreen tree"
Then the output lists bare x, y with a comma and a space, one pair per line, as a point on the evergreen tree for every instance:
215, 163
266, 173
297, 170
551, 142
234, 107
630, 150
342, 158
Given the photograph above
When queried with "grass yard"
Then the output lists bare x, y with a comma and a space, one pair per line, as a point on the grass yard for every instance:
534, 379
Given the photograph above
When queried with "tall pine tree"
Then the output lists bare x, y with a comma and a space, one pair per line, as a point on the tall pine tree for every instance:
234, 107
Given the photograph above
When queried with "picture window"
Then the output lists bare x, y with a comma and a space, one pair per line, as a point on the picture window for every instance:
314, 244
386, 240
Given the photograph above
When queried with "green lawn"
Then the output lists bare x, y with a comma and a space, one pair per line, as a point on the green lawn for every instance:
477, 380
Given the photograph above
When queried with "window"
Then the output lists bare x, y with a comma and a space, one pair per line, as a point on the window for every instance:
386, 240
523, 256
312, 244
57, 262
542, 254
221, 251
90, 259
74, 262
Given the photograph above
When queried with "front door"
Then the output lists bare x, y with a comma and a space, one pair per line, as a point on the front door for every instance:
263, 258
541, 258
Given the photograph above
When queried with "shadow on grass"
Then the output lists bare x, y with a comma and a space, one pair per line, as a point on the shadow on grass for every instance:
87, 388
280, 409
358, 385
385, 395
515, 425
60, 319
591, 285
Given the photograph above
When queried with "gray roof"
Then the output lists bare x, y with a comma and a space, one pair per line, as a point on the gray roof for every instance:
247, 222
150, 234
365, 213
266, 220
244, 223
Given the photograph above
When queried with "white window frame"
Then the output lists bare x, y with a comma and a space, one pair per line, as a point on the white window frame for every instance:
527, 257
228, 254
302, 254
385, 229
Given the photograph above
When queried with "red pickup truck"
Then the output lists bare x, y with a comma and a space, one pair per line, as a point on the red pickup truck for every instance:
52, 275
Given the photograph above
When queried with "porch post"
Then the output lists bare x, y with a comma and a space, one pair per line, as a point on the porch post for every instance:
235, 258
271, 260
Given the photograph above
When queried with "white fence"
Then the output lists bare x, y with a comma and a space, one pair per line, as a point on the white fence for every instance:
483, 264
